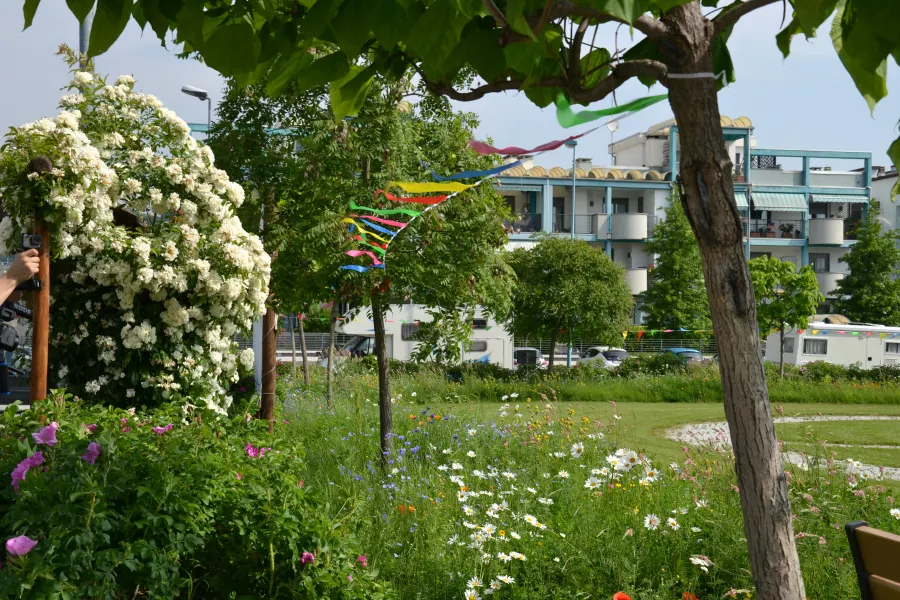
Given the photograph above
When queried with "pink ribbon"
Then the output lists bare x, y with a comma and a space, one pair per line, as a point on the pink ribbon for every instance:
356, 253
380, 220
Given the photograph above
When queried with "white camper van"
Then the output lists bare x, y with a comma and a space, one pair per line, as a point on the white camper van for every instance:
841, 344
490, 342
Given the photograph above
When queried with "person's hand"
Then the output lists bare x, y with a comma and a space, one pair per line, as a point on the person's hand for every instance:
24, 266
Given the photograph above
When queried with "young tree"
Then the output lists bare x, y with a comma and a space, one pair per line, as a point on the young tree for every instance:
538, 47
676, 295
785, 297
870, 293
569, 288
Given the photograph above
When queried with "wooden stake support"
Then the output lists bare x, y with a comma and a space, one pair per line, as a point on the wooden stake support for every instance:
40, 339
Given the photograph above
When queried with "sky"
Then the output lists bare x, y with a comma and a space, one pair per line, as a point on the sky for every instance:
806, 101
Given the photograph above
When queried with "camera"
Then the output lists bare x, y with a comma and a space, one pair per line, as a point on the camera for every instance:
30, 241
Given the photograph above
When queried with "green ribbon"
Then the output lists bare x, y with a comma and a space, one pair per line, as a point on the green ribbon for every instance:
387, 211
567, 118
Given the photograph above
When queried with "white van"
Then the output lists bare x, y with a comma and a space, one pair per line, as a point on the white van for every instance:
842, 344
489, 342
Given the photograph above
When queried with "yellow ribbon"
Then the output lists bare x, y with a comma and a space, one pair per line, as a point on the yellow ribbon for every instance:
425, 188
882, 335
365, 231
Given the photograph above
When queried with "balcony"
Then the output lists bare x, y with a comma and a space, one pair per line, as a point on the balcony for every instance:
762, 228
828, 282
636, 280
522, 223
630, 226
584, 224
826, 231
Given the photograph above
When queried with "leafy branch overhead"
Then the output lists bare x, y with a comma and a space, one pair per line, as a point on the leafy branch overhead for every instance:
466, 49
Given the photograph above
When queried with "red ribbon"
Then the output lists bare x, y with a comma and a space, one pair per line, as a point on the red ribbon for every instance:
483, 148
414, 199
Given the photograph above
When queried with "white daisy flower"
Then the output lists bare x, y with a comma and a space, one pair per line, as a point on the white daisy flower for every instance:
504, 557
471, 595
564, 474
651, 522
546, 501
474, 582
577, 450
470, 454
592, 483
673, 524
506, 579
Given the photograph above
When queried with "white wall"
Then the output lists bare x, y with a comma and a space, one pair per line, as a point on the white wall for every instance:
881, 191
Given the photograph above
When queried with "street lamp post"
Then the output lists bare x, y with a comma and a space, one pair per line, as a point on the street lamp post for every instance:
201, 95
84, 36
571, 144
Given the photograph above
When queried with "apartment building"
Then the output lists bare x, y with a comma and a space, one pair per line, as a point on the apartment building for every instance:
794, 205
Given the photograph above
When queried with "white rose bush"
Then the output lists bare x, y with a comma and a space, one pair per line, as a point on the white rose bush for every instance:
152, 272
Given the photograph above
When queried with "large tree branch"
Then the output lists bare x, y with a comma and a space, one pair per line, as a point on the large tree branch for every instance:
619, 74
495, 12
646, 24
730, 17
575, 51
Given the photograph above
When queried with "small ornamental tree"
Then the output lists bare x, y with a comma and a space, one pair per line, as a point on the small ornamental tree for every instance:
785, 297
870, 293
152, 272
571, 289
675, 296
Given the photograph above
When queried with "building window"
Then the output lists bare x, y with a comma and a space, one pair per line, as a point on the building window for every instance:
478, 346
820, 262
510, 203
641, 204
789, 344
479, 324
817, 347
408, 331
620, 205
760, 254
892, 347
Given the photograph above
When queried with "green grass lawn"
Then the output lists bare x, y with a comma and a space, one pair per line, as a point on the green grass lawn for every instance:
643, 425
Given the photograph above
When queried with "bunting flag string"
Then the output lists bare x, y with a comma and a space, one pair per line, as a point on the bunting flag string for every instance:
386, 211
379, 228
471, 174
356, 253
568, 118
484, 148
380, 220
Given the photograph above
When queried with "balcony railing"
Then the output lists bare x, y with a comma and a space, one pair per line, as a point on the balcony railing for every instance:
584, 224
764, 228
523, 223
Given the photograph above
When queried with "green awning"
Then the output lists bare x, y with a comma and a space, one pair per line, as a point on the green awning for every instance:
778, 201
851, 199
742, 200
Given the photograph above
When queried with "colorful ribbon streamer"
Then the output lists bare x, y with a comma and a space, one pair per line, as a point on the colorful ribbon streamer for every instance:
356, 253
424, 188
483, 148
384, 230
360, 269
386, 211
363, 231
382, 221
416, 200
568, 118
472, 174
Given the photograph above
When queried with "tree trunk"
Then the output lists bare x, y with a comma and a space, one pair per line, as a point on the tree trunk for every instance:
293, 347
267, 401
781, 340
267, 398
553, 337
708, 199
329, 399
384, 379
303, 352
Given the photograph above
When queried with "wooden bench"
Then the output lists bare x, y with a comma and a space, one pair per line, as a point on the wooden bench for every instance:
876, 555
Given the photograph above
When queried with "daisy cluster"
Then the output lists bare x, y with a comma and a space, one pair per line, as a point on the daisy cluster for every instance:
153, 272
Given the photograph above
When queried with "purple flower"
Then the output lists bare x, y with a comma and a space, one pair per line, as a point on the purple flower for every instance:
90, 428
47, 435
92, 454
22, 468
252, 451
126, 429
20, 546
307, 557
162, 430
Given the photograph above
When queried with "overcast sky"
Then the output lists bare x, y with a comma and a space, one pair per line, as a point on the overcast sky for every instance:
805, 102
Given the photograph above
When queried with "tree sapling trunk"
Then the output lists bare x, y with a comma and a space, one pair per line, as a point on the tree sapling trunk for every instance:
384, 381
329, 399
554, 335
293, 347
303, 352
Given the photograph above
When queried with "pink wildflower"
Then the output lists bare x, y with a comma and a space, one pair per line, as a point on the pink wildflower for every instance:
92, 454
350, 578
22, 468
300, 483
307, 557
162, 430
252, 451
362, 560
629, 532
20, 546
239, 476
126, 429
90, 428
47, 435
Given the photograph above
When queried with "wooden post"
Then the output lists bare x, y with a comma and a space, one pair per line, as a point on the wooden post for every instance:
40, 338
267, 397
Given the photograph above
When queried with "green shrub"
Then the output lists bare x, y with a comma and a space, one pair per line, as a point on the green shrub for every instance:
175, 505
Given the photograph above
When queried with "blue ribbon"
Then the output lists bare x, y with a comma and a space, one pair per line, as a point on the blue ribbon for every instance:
360, 269
471, 174
378, 227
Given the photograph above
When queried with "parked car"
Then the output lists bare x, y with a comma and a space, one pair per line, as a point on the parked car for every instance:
612, 357
529, 356
688, 355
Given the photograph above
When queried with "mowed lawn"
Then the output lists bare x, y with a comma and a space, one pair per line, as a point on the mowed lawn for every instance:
643, 425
